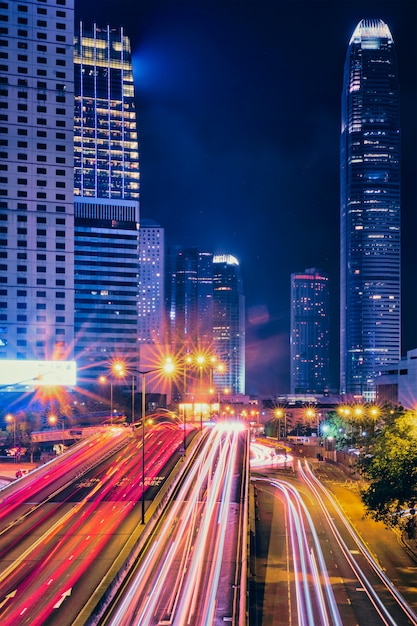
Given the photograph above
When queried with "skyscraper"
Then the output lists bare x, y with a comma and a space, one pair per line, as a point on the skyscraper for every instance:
309, 339
205, 299
151, 305
370, 210
229, 322
106, 164
207, 313
183, 298
36, 195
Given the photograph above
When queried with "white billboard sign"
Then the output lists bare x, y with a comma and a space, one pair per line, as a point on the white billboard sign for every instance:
37, 373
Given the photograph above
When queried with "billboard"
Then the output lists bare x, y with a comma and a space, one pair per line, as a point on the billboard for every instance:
37, 373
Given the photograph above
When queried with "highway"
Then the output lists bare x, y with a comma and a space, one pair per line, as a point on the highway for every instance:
318, 569
191, 572
63, 523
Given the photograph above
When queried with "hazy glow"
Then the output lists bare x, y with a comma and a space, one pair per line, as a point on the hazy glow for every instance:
231, 426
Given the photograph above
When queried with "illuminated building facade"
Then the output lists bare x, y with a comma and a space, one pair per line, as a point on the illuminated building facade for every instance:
36, 195
205, 298
370, 210
151, 304
183, 298
206, 307
106, 166
106, 157
309, 337
229, 322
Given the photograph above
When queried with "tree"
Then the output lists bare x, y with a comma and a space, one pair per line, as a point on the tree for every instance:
392, 472
336, 428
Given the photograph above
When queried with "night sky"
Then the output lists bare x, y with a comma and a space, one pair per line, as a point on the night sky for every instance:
238, 107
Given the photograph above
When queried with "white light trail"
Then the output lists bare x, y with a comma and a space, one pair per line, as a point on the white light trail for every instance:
196, 525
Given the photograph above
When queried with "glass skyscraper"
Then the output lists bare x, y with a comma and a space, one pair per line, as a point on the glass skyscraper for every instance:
151, 304
370, 210
229, 322
106, 157
309, 339
106, 166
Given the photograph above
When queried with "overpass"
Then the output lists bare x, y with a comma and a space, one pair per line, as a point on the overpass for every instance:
59, 435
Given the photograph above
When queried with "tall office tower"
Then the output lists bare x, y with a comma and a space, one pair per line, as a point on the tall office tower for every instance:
184, 299
37, 177
205, 299
229, 322
370, 210
309, 339
190, 298
151, 305
106, 201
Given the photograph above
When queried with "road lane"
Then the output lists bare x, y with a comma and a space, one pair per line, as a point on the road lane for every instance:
181, 579
63, 544
360, 592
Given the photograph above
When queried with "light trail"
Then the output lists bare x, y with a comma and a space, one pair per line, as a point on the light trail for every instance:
70, 546
261, 457
264, 456
310, 572
319, 491
180, 583
315, 600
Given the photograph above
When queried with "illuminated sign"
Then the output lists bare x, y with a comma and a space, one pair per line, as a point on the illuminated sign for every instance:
37, 373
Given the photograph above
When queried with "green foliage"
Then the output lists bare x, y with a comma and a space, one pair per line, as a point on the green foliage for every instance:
335, 427
392, 471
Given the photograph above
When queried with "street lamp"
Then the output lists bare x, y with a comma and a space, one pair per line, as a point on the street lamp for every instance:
53, 421
168, 368
200, 360
278, 414
10, 418
311, 414
119, 369
186, 361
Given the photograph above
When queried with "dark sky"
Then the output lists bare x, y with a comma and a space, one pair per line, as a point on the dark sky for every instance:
238, 106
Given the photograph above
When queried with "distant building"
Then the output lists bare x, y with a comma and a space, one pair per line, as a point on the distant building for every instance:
151, 303
309, 337
229, 322
182, 298
106, 163
397, 383
37, 179
206, 309
205, 298
370, 210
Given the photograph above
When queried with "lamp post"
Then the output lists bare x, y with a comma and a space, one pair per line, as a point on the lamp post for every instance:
119, 369
278, 414
168, 368
200, 360
53, 421
311, 414
102, 380
10, 418
187, 361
